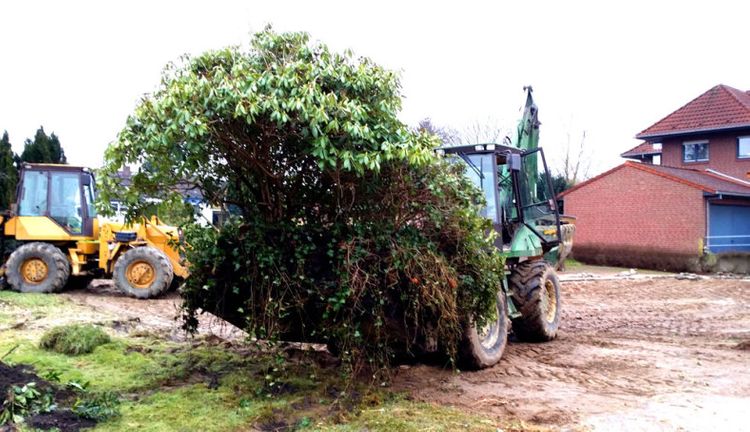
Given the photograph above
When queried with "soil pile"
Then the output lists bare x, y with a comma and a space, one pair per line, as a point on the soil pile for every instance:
61, 419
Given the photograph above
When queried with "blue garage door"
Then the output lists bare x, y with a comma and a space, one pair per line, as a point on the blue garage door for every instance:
729, 228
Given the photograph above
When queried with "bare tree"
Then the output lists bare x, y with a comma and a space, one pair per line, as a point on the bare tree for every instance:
447, 135
576, 160
487, 131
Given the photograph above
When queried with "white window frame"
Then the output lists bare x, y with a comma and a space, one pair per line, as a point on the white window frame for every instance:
687, 143
739, 139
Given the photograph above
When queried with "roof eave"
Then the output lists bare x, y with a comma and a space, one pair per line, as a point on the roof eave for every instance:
729, 194
635, 155
655, 135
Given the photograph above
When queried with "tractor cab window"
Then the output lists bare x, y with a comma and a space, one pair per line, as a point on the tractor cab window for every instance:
480, 169
34, 194
65, 200
537, 199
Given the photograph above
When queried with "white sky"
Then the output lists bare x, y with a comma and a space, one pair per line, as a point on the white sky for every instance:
609, 68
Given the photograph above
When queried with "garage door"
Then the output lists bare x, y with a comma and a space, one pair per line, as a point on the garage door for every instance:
729, 228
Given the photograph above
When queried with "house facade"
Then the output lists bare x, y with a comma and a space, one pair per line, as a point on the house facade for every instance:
684, 195
710, 132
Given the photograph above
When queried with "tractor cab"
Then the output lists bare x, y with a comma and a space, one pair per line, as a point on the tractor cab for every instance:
519, 199
61, 194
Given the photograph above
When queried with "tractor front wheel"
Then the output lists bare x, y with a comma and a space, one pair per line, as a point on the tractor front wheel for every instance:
484, 347
37, 268
535, 292
143, 272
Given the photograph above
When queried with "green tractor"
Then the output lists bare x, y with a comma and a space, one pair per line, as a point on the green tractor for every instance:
531, 235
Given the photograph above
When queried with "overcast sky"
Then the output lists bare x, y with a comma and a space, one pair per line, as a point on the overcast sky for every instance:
608, 68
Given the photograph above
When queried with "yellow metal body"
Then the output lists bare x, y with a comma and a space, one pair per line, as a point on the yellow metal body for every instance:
102, 248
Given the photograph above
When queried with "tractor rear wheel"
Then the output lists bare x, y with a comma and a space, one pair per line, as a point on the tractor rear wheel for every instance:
535, 292
484, 347
143, 272
37, 268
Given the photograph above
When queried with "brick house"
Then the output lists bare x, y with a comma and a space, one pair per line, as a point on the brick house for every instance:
689, 195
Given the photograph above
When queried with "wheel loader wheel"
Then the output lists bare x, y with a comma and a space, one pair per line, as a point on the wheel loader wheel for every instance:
37, 268
482, 348
143, 272
535, 292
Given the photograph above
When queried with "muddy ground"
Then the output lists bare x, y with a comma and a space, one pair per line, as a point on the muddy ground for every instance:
649, 354
633, 354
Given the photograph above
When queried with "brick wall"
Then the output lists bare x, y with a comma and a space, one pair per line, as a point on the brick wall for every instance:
722, 154
634, 218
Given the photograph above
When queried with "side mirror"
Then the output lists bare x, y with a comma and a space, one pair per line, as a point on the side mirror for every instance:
86, 180
514, 162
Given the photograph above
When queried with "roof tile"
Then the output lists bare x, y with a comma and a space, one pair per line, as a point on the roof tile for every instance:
703, 180
721, 107
644, 148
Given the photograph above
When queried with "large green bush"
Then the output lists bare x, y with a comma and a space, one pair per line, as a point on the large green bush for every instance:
349, 229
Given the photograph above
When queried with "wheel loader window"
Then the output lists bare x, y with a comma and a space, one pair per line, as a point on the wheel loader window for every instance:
34, 194
65, 200
89, 191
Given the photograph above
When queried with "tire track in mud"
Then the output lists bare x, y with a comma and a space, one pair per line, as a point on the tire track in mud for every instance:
621, 344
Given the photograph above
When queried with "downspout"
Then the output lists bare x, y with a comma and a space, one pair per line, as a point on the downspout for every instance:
706, 249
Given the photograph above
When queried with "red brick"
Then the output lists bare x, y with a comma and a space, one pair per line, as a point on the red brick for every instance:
722, 154
635, 209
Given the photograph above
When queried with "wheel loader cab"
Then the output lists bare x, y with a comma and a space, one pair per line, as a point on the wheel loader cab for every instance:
62, 194
58, 235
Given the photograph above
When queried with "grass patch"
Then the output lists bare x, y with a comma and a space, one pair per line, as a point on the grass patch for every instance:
30, 300
189, 408
125, 365
406, 416
14, 305
74, 339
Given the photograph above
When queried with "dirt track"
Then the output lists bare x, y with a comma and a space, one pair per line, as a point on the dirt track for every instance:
660, 354
653, 354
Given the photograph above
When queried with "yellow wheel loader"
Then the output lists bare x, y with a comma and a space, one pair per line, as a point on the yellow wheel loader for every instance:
57, 234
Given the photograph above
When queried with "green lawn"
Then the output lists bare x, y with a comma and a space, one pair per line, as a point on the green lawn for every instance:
188, 386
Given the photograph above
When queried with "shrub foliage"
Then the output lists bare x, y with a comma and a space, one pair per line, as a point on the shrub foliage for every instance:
348, 229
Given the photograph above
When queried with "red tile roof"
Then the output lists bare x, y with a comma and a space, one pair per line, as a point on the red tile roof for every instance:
706, 181
721, 107
644, 148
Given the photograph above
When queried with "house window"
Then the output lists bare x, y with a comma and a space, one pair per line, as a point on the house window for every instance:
743, 147
695, 151
656, 160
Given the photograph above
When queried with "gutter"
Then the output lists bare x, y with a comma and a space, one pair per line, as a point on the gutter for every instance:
691, 131
720, 195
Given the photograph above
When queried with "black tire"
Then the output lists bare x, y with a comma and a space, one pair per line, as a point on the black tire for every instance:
37, 260
535, 291
482, 348
150, 270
